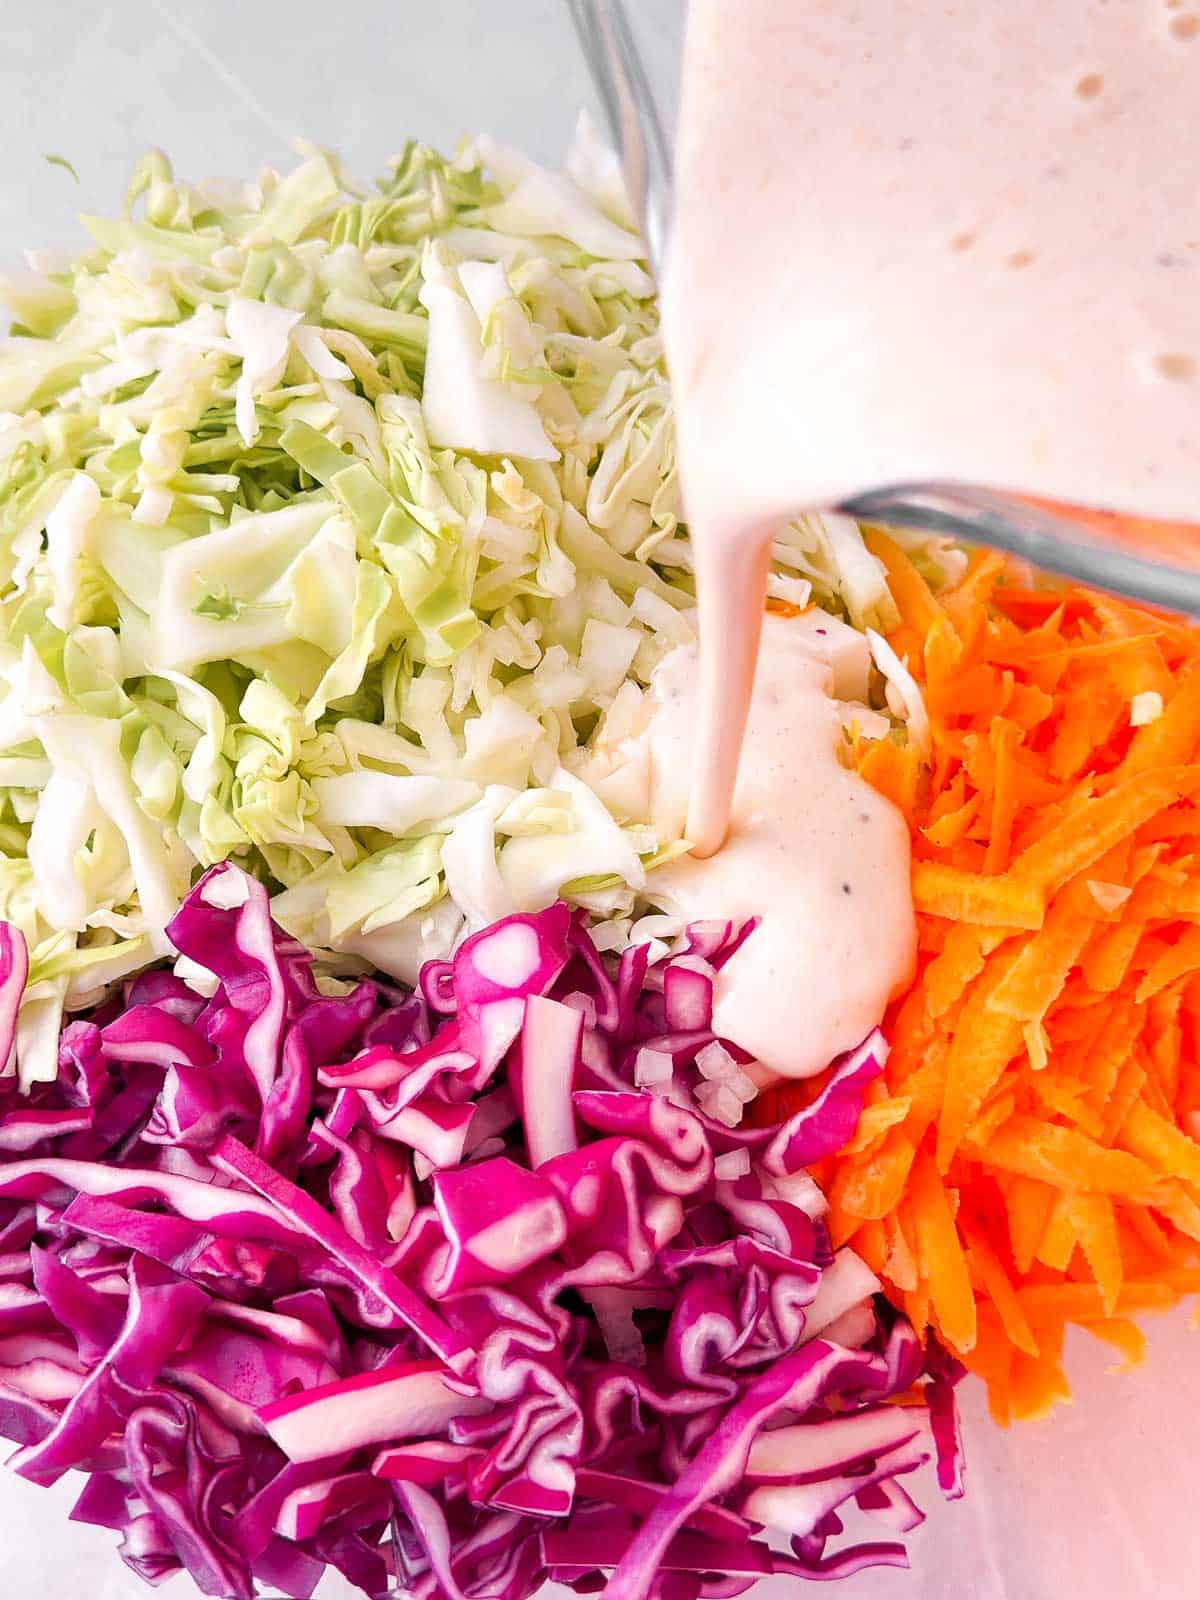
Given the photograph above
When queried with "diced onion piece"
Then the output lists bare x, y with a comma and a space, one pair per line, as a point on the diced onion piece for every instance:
1145, 707
651, 1067
733, 1164
720, 1103
1108, 896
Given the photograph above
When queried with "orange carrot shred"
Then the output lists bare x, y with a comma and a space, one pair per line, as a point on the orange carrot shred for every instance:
1031, 1156
962, 958
992, 1360
901, 1264
1065, 1158
1150, 1235
994, 1115
1057, 1244
1106, 960
1005, 738
1084, 836
1036, 977
871, 1243
1172, 738
1180, 1209
914, 599
1096, 1229
870, 1187
1180, 960
983, 1044
940, 1254
989, 1270
875, 1122
953, 826
1037, 1386
893, 769
916, 1307
1161, 1144
1082, 1302
1124, 1336
996, 902
1028, 1204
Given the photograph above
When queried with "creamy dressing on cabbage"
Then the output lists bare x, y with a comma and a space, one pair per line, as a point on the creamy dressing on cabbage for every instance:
812, 851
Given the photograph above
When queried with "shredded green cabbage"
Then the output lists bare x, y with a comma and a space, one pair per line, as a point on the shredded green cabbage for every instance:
332, 523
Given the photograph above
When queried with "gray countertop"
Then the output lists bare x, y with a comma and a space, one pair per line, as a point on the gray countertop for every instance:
224, 86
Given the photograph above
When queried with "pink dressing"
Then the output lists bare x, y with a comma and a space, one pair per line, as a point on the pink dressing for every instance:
812, 851
924, 240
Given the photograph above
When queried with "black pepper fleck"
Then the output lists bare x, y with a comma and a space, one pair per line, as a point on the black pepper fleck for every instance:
845, 888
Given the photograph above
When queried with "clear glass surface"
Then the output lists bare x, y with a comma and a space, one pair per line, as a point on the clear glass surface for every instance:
1096, 1502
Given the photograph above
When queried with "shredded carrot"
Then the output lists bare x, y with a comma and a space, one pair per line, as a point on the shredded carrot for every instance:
1066, 1158
992, 1277
1108, 956
1096, 1229
1178, 960
1083, 1303
876, 1120
1030, 1157
1057, 1244
1037, 1386
871, 1243
992, 1358
901, 1262
1094, 826
1174, 736
943, 891
1180, 1210
1160, 1143
871, 1187
994, 1115
1037, 975
1124, 1336
1028, 1204
961, 958
892, 769
914, 599
983, 1044
942, 1262
1005, 739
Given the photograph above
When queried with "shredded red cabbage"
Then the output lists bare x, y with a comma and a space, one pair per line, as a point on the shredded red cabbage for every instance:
454, 1291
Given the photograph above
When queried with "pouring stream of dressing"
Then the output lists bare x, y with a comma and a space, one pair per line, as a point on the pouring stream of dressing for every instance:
813, 852
923, 241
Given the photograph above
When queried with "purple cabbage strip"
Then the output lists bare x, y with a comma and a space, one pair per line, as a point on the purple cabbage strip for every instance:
433, 1288
162, 1311
797, 1383
225, 925
92, 1319
823, 1127
944, 1374
377, 1281
14, 970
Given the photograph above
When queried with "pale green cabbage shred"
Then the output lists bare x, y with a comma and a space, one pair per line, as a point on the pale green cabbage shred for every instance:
331, 525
